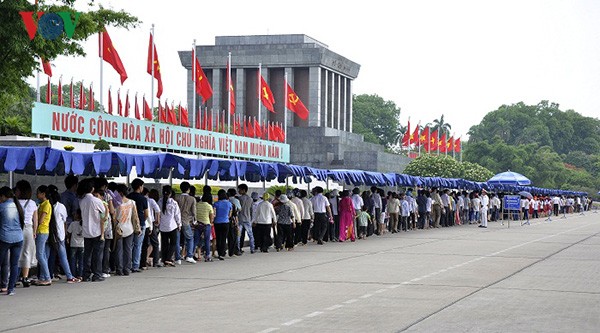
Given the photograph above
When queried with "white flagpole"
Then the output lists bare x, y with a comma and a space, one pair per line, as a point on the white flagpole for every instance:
152, 77
194, 81
409, 133
38, 95
258, 83
229, 93
102, 71
285, 111
453, 140
419, 139
438, 141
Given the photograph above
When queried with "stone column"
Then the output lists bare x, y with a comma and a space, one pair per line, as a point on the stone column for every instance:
338, 104
291, 117
217, 90
238, 87
325, 105
314, 100
349, 103
332, 97
343, 104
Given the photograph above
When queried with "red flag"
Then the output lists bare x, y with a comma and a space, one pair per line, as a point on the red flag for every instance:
294, 103
71, 96
81, 97
47, 68
59, 92
49, 92
153, 56
258, 132
183, 116
433, 141
171, 116
209, 121
424, 137
231, 90
92, 103
138, 115
450, 145
406, 136
266, 95
119, 103
279, 133
162, 117
147, 111
198, 119
442, 144
223, 123
109, 54
126, 113
110, 107
203, 87
414, 136
457, 145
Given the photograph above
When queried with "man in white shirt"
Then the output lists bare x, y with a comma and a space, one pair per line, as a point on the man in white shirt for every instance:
297, 218
556, 204
377, 204
245, 218
485, 203
334, 229
358, 203
93, 231
322, 210
264, 219
307, 217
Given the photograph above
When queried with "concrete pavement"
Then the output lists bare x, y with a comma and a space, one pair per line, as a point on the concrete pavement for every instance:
538, 278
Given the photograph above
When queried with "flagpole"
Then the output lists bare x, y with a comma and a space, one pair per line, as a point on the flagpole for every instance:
258, 84
101, 69
229, 93
446, 143
453, 152
152, 76
438, 141
461, 149
419, 139
38, 96
194, 81
409, 133
285, 98
429, 140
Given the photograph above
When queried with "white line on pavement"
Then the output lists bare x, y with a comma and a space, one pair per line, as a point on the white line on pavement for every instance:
334, 307
314, 314
350, 301
269, 330
291, 322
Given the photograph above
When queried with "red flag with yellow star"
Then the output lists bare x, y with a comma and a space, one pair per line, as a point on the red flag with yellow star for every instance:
203, 87
153, 66
457, 145
266, 95
110, 55
406, 136
294, 104
424, 137
442, 144
450, 145
433, 142
414, 137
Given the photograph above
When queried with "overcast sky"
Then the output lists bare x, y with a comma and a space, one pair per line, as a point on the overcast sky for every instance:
457, 58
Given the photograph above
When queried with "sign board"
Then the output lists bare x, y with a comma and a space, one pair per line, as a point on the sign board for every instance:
79, 124
512, 202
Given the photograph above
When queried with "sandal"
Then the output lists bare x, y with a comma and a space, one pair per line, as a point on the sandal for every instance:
170, 264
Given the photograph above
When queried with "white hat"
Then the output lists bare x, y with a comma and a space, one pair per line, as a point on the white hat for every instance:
283, 198
335, 193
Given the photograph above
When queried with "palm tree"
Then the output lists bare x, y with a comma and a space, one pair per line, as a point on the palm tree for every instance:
441, 125
399, 134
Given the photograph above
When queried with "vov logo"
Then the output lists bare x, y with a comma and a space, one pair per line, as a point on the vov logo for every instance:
50, 25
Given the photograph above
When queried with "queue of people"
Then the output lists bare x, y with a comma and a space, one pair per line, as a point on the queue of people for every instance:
96, 229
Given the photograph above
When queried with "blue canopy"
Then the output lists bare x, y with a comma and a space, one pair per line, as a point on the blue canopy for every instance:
49, 161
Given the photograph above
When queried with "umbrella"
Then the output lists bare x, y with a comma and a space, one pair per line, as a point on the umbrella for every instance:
526, 194
509, 178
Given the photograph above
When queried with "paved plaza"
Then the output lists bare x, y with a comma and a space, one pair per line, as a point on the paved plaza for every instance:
537, 278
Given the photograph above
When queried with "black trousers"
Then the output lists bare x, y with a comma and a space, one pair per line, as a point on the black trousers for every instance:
93, 249
232, 239
298, 233
304, 231
320, 226
421, 220
336, 227
285, 234
221, 230
168, 240
263, 235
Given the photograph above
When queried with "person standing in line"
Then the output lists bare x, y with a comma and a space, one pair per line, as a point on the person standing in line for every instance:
535, 205
152, 224
187, 206
223, 213
298, 219
256, 200
308, 216
322, 211
422, 208
404, 212
69, 197
429, 208
232, 234
245, 217
12, 222
265, 219
334, 200
170, 225
377, 205
59, 215
525, 210
382, 222
363, 221
76, 256
205, 215
358, 203
127, 224
436, 207
141, 204
446, 209
347, 217
30, 211
285, 223
92, 209
41, 238
476, 202
393, 207
485, 202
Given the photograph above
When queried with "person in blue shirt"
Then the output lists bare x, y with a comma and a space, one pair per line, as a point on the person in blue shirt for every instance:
12, 220
223, 211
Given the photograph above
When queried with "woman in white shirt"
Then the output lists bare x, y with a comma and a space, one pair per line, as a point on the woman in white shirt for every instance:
126, 225
59, 215
170, 224
23, 193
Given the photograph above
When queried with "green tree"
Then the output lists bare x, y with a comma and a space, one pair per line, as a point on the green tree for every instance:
475, 172
434, 166
20, 56
442, 125
376, 119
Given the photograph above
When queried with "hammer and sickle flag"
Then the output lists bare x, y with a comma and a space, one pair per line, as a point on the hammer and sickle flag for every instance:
266, 95
294, 104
